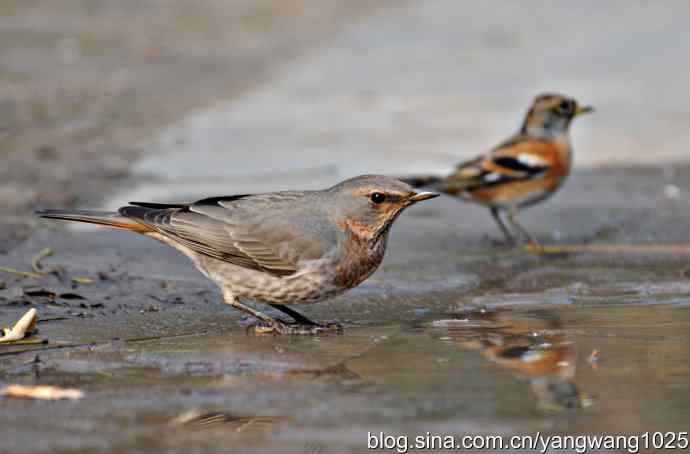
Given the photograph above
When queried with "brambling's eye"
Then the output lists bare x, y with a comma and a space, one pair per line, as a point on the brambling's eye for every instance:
566, 107
377, 198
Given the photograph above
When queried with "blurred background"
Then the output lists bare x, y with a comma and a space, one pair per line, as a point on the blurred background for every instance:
107, 101
104, 101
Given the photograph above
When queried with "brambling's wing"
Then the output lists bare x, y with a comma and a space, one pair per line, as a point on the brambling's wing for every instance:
251, 231
512, 161
420, 181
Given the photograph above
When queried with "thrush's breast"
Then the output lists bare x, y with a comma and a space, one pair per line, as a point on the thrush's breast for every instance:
360, 258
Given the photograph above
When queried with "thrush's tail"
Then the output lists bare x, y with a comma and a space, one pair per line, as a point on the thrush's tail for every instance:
105, 218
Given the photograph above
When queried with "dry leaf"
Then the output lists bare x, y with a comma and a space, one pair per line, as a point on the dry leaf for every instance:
82, 280
24, 326
41, 392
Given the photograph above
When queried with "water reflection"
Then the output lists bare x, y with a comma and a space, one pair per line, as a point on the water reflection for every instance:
233, 430
530, 344
200, 419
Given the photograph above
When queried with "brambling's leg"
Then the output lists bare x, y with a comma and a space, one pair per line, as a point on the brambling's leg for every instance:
506, 233
512, 218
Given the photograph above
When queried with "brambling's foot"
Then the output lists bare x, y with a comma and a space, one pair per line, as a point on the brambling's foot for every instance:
496, 242
534, 246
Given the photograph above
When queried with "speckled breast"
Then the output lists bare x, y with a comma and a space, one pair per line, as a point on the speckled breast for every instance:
359, 261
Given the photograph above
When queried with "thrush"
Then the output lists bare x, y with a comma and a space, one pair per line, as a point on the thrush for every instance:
280, 248
522, 171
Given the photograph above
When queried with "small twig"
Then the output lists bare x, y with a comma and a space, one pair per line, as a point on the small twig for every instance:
38, 267
38, 271
41, 392
49, 347
20, 273
612, 248
30, 341
54, 346
36, 261
55, 319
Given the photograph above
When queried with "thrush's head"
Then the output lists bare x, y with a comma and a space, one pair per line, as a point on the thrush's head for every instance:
367, 205
550, 115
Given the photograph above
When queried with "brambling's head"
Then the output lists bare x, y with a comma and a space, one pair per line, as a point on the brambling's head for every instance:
367, 205
550, 115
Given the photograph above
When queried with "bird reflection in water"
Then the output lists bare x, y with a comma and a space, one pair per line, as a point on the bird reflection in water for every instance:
530, 344
247, 428
198, 419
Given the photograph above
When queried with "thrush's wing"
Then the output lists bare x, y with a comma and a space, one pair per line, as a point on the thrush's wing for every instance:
517, 159
264, 232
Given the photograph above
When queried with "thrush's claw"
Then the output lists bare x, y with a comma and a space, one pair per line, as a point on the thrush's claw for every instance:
334, 327
296, 329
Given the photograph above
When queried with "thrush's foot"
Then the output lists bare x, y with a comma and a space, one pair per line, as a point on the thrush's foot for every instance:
296, 329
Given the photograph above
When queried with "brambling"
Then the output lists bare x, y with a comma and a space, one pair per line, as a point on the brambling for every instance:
522, 171
531, 346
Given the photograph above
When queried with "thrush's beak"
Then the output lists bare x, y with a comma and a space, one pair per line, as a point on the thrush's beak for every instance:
583, 109
423, 196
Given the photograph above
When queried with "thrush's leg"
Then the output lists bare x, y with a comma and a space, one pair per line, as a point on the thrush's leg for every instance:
299, 318
233, 301
512, 218
270, 325
504, 229
296, 328
305, 324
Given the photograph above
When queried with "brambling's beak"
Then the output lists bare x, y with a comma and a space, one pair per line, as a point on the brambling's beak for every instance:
583, 109
418, 197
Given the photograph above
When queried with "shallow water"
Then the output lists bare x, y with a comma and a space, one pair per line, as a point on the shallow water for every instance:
514, 357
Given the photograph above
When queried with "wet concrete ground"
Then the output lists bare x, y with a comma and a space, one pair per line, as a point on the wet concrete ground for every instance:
148, 350
454, 334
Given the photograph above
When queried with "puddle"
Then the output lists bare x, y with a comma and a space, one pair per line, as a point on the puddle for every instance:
554, 362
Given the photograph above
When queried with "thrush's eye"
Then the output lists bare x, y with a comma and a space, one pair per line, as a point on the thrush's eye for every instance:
378, 197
